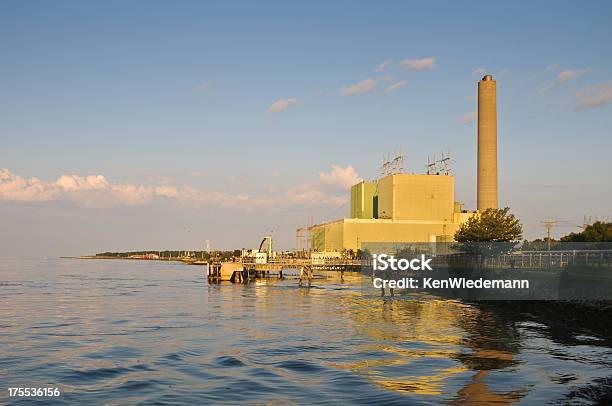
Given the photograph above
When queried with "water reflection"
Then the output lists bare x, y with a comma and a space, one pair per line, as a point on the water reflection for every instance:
129, 332
427, 343
493, 344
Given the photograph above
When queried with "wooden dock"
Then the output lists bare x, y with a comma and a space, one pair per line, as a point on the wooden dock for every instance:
244, 271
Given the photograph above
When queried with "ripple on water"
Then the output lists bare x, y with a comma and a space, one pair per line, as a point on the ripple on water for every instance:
228, 361
119, 321
78, 376
199, 371
300, 366
296, 349
138, 385
51, 325
119, 352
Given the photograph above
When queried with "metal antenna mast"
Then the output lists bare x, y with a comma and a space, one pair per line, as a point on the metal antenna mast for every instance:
439, 166
445, 163
392, 166
431, 165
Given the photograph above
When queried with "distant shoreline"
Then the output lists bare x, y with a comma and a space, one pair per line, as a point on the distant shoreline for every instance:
131, 259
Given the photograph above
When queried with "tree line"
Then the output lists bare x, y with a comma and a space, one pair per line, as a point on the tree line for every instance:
206, 255
501, 227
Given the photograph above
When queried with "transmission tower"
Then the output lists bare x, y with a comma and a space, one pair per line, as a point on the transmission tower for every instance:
392, 166
440, 166
445, 163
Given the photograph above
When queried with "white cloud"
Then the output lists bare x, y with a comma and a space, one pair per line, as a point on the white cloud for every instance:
168, 191
418, 64
562, 77
14, 188
330, 190
282, 105
595, 96
478, 72
395, 86
96, 191
312, 195
361, 87
72, 183
468, 118
567, 75
383, 65
340, 177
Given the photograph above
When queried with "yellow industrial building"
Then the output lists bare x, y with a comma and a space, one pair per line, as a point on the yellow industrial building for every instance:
416, 208
396, 208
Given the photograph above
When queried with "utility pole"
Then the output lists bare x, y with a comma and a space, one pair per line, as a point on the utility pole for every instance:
549, 225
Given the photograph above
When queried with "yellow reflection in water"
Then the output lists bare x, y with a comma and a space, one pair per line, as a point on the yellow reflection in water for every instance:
425, 330
422, 345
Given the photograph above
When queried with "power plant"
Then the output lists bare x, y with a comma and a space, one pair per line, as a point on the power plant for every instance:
400, 207
487, 144
396, 208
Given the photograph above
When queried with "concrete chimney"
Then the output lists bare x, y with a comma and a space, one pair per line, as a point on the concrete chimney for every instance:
487, 143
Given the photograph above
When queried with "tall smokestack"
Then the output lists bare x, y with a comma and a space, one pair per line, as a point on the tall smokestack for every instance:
487, 143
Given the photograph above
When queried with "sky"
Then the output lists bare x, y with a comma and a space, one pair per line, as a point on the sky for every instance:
160, 125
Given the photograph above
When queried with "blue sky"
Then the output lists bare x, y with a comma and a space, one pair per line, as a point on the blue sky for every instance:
176, 94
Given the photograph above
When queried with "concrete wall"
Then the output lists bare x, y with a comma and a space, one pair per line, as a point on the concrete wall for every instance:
416, 197
328, 236
317, 238
385, 198
359, 232
352, 233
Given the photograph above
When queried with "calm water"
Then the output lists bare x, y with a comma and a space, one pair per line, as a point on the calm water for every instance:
128, 332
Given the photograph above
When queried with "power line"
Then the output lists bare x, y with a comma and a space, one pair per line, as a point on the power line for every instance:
549, 224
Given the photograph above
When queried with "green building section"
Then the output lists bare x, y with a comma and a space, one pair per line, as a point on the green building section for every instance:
395, 208
363, 200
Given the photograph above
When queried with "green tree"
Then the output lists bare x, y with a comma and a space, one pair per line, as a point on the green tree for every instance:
492, 231
596, 232
539, 244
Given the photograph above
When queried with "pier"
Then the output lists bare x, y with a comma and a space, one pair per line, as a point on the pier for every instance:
249, 269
